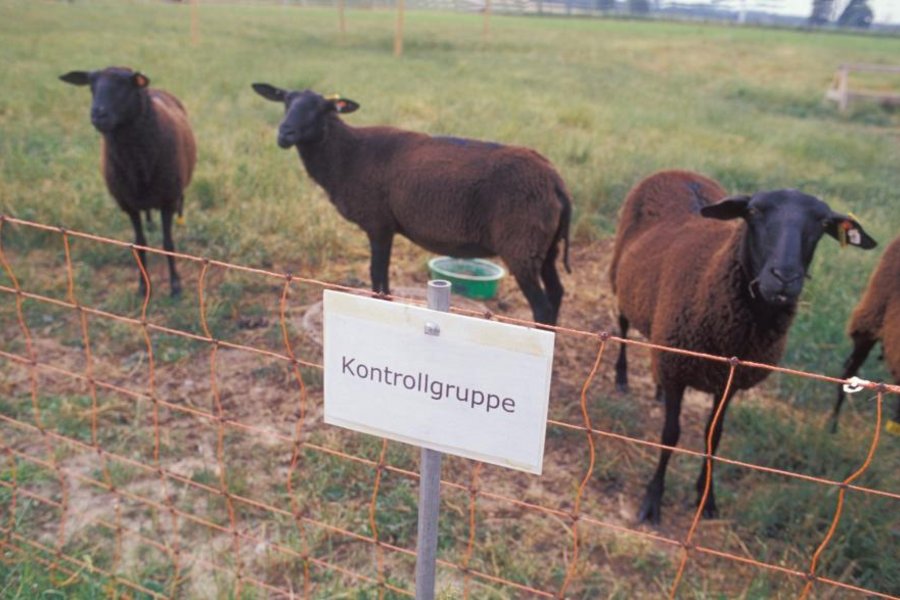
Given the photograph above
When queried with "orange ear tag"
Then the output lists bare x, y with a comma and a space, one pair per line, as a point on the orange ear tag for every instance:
180, 220
842, 233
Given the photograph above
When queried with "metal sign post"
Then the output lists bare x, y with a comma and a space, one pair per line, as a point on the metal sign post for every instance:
443, 382
430, 475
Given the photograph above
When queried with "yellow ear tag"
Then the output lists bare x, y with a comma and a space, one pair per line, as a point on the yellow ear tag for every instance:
180, 220
892, 427
338, 104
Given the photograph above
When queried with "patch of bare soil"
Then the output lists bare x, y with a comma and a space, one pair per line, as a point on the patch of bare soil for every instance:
228, 420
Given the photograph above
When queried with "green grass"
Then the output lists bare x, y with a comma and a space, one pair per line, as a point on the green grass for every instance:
865, 542
607, 101
742, 105
27, 579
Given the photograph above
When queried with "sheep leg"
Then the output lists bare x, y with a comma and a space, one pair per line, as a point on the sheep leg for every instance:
552, 285
622, 361
380, 246
169, 246
862, 345
709, 507
140, 240
651, 506
541, 309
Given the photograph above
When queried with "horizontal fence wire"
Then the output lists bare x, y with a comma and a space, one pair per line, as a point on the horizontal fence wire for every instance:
46, 522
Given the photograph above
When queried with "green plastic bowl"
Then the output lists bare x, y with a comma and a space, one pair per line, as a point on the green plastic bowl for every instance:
472, 277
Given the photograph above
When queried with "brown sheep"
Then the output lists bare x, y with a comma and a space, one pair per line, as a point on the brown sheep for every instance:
695, 270
876, 317
448, 195
148, 151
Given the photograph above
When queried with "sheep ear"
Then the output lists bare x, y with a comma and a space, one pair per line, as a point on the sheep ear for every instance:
343, 105
847, 230
140, 80
77, 77
269, 92
733, 207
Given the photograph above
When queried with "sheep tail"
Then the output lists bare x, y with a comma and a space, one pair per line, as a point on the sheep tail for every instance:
564, 222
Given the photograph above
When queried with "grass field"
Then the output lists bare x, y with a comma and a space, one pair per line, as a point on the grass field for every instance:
607, 101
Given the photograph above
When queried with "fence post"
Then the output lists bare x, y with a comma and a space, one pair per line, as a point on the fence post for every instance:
195, 23
843, 88
430, 478
398, 30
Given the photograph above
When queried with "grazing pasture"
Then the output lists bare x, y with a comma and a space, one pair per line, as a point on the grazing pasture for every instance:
607, 102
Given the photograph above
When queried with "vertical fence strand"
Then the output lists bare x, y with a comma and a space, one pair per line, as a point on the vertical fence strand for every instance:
842, 490
220, 434
470, 545
707, 484
373, 525
36, 408
576, 509
92, 389
297, 446
173, 549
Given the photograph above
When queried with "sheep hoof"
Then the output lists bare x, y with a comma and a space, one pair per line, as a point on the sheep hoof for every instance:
650, 510
710, 511
176, 289
621, 388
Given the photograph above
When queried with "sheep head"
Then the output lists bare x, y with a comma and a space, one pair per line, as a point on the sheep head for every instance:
782, 230
117, 92
305, 113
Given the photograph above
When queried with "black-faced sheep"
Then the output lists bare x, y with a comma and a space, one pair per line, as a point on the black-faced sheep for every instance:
876, 317
148, 150
695, 270
448, 195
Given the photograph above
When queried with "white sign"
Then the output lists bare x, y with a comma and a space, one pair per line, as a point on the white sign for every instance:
477, 389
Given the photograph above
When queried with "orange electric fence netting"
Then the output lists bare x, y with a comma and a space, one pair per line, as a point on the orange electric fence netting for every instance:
156, 478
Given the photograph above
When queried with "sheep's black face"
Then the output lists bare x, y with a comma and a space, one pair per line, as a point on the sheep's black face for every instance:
783, 229
304, 119
305, 113
118, 95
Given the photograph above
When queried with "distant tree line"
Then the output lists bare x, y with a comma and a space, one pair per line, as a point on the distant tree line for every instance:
857, 13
